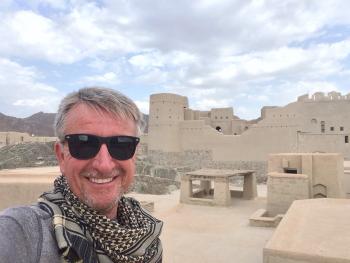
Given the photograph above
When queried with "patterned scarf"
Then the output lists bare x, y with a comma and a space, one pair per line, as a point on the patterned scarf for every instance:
84, 235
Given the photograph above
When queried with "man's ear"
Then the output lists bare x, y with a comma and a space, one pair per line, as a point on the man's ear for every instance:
59, 151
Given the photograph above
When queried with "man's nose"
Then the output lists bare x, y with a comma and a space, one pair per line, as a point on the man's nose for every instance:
103, 161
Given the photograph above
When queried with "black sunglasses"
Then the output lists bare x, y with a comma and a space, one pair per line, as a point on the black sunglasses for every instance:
86, 146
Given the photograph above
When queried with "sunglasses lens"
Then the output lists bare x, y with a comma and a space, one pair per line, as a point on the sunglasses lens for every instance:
122, 147
83, 146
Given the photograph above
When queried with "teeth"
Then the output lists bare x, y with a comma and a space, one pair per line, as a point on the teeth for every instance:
100, 181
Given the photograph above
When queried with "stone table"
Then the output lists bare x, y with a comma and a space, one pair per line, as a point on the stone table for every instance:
220, 194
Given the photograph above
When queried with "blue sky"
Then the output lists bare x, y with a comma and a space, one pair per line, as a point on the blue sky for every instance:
229, 53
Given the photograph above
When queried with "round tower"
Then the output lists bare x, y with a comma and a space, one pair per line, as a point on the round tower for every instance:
165, 112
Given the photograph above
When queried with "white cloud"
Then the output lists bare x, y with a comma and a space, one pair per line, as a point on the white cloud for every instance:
316, 61
145, 61
279, 94
22, 92
109, 78
98, 64
207, 104
143, 106
154, 58
37, 87
37, 4
196, 81
204, 28
57, 4
310, 87
153, 77
39, 36
244, 54
86, 31
30, 102
245, 111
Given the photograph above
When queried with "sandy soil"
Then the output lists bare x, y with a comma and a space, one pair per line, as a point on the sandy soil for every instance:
29, 175
36, 171
195, 233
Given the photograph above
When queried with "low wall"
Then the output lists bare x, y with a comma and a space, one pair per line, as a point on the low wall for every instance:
194, 160
312, 231
154, 185
283, 189
22, 192
24, 186
347, 182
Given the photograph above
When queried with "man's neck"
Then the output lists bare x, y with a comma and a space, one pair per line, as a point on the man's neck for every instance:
111, 213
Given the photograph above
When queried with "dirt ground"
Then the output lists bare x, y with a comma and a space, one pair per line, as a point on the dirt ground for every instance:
195, 233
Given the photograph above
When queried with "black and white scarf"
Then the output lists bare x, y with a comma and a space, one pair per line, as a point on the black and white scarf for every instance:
84, 235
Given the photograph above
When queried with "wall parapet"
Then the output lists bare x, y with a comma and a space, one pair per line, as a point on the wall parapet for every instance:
169, 97
321, 96
194, 160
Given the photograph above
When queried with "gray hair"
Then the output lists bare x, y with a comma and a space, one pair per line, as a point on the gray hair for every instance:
101, 99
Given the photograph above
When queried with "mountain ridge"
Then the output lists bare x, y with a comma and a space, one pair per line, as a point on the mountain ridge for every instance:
39, 124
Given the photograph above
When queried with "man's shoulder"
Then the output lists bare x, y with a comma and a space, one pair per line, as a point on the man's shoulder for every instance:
24, 214
24, 222
26, 235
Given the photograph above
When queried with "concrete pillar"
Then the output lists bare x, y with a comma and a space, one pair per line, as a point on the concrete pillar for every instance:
222, 194
186, 189
249, 186
306, 168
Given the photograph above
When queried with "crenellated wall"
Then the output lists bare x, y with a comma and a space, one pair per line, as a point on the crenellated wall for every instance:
321, 96
319, 123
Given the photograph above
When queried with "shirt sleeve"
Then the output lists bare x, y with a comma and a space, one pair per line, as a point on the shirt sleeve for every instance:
16, 242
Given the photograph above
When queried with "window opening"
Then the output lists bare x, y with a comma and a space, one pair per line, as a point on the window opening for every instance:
323, 124
290, 170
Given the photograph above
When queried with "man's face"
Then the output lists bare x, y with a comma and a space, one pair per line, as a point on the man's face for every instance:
90, 179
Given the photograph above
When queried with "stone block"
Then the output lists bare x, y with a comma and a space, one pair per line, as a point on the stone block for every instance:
280, 193
312, 231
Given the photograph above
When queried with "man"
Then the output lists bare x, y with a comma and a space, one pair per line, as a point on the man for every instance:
86, 218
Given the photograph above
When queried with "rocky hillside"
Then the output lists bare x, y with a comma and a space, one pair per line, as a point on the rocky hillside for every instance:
39, 124
27, 155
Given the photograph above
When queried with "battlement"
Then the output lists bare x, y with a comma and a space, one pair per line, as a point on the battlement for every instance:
321, 96
222, 113
169, 98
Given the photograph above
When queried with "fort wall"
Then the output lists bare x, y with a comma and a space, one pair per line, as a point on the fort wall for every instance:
10, 138
293, 176
196, 159
319, 123
166, 111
